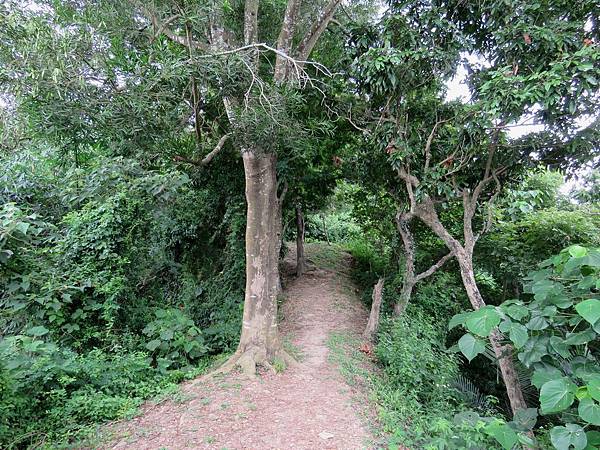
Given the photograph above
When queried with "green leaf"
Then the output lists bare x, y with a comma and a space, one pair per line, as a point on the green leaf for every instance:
483, 321
526, 418
589, 411
166, 335
594, 387
153, 345
470, 346
570, 435
589, 310
537, 323
593, 438
37, 331
22, 227
577, 251
518, 334
517, 312
580, 338
505, 435
534, 349
558, 345
457, 319
557, 395
541, 375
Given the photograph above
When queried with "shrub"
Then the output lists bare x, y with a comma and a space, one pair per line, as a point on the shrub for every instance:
174, 339
555, 330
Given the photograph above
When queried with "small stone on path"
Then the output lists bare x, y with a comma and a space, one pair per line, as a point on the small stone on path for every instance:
325, 435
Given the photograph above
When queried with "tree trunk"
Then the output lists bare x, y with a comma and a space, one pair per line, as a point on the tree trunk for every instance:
259, 342
325, 229
408, 286
503, 352
300, 228
464, 256
373, 322
410, 276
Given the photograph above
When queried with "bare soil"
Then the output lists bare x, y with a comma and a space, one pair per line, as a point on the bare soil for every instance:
308, 406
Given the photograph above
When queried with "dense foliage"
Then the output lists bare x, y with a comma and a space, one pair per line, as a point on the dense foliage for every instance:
122, 209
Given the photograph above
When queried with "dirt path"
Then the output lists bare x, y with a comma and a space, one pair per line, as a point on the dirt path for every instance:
307, 407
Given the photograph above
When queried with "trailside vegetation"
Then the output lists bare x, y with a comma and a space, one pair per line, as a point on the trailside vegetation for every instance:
160, 157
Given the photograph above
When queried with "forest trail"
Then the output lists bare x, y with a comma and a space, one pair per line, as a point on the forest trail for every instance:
305, 407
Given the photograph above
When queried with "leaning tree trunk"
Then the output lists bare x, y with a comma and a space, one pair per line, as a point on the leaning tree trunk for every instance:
300, 229
259, 341
503, 352
464, 256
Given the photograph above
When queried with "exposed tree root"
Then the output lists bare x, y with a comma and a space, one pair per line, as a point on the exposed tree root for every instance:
249, 359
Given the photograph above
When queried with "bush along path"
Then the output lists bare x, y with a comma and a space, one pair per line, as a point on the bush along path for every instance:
308, 406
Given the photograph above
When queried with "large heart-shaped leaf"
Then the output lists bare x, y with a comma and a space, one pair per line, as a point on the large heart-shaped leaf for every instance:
533, 350
525, 419
153, 345
570, 435
470, 346
557, 395
483, 321
518, 334
505, 435
457, 319
589, 411
577, 251
537, 323
37, 331
517, 312
583, 337
589, 310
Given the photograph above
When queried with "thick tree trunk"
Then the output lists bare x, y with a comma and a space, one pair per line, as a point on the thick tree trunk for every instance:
260, 342
300, 228
373, 323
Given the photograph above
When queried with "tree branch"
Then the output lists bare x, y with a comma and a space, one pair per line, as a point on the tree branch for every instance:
208, 158
434, 267
162, 28
429, 142
311, 38
284, 42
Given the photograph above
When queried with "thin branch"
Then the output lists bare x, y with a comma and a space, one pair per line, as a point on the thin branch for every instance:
208, 158
434, 267
162, 28
429, 142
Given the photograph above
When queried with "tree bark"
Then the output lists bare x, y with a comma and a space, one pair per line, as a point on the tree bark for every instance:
410, 277
259, 342
373, 323
300, 229
503, 352
408, 284
464, 256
